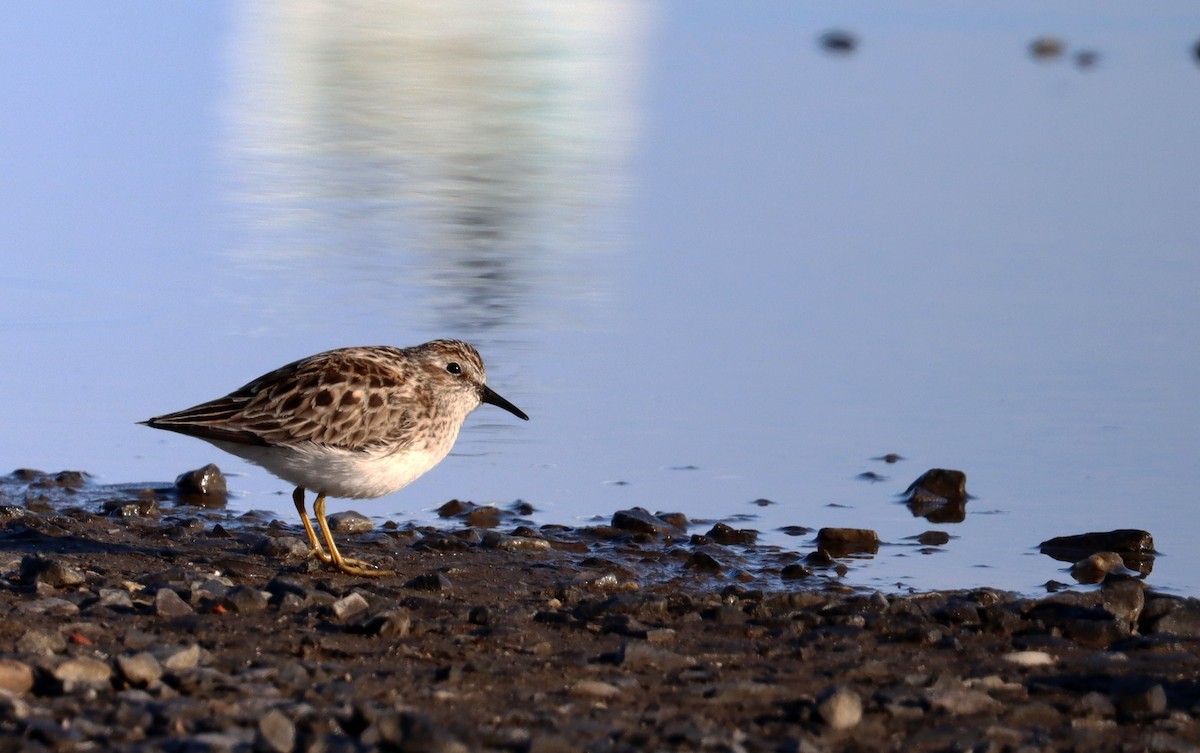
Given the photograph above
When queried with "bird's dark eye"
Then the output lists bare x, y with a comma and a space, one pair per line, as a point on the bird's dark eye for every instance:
453, 368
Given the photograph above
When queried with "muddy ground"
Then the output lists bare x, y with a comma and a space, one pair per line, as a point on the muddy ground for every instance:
128, 622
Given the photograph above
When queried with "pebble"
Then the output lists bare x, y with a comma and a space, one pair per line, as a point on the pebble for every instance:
594, 689
246, 599
350, 522
961, 701
349, 606
15, 676
179, 658
1029, 658
41, 642
639, 520
275, 733
841, 708
140, 668
82, 670
169, 605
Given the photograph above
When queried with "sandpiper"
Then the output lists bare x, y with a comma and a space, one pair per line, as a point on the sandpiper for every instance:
354, 422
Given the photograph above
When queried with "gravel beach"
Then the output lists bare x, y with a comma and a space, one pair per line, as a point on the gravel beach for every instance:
131, 621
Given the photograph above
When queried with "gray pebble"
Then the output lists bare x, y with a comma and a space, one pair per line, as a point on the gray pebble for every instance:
41, 642
275, 733
140, 668
168, 604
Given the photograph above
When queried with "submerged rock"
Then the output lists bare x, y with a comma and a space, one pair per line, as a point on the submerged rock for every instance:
1135, 548
938, 495
841, 542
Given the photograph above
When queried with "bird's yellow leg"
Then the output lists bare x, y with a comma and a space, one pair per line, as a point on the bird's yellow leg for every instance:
348, 566
318, 552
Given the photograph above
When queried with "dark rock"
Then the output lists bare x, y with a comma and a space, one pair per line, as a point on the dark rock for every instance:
795, 571
51, 571
245, 599
723, 534
454, 508
429, 582
1135, 547
842, 542
1151, 701
891, 457
703, 562
168, 604
207, 480
639, 520
483, 517
1183, 620
838, 42
350, 522
1047, 48
939, 496
1123, 598
933, 538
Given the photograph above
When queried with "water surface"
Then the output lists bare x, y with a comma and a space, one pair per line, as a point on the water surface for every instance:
713, 262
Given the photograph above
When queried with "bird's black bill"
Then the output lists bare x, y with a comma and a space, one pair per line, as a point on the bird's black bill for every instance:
488, 395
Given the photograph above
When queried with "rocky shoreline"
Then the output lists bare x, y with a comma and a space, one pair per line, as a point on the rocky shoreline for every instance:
131, 622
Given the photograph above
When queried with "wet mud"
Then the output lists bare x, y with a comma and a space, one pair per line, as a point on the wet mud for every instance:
132, 621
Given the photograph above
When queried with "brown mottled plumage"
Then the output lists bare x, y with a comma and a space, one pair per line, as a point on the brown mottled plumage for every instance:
355, 422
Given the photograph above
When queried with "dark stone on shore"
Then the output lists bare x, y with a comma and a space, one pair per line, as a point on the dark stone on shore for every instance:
483, 517
51, 571
639, 520
723, 534
939, 496
203, 487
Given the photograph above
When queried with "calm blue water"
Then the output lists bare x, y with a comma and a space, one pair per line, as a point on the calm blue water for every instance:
712, 262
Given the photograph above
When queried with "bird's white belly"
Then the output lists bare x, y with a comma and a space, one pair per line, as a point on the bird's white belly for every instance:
346, 474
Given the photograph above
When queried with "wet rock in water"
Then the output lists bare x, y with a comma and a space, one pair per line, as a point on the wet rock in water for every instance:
703, 562
1047, 48
933, 538
1085, 59
350, 522
795, 571
1096, 567
521, 507
938, 495
484, 517
843, 542
49, 570
838, 42
454, 508
1135, 547
841, 708
144, 506
795, 530
203, 487
639, 520
723, 534
889, 458
677, 519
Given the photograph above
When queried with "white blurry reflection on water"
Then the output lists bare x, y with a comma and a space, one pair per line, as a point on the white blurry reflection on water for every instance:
711, 261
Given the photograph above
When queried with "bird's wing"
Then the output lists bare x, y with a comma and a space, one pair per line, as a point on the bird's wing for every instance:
334, 399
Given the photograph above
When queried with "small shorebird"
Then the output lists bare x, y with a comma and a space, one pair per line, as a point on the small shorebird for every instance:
354, 422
